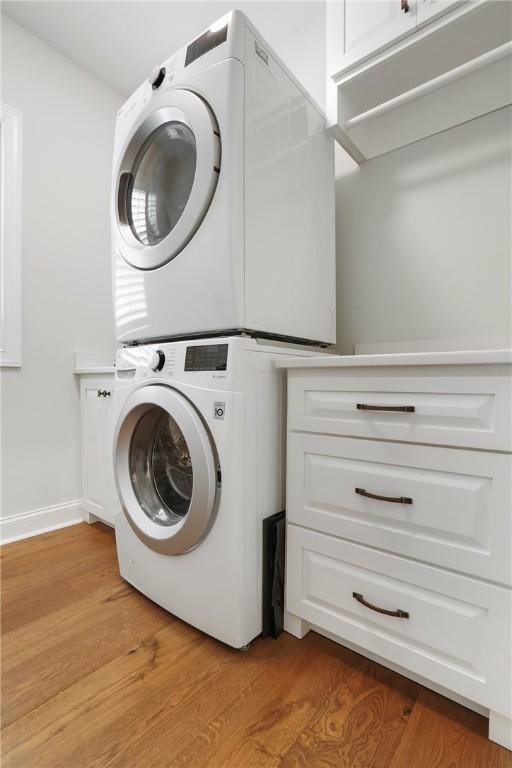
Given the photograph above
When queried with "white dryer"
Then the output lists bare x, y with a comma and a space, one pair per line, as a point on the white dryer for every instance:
223, 197
199, 462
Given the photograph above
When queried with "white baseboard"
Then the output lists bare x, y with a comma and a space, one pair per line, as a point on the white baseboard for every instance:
36, 521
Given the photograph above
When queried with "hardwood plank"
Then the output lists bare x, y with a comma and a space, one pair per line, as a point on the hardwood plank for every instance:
63, 731
53, 541
59, 538
264, 741
86, 582
362, 720
56, 563
37, 602
161, 731
69, 655
41, 633
166, 738
34, 585
221, 739
442, 734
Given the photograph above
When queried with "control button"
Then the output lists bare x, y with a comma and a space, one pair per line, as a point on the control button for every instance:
157, 360
156, 77
219, 410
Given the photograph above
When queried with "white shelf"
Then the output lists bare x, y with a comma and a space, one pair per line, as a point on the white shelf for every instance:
440, 78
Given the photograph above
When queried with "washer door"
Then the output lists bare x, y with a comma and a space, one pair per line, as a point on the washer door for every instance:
166, 179
166, 470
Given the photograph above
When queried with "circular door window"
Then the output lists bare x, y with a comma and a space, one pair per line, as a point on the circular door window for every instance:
161, 468
159, 186
166, 469
166, 178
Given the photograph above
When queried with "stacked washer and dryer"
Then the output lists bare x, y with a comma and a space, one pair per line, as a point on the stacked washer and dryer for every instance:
223, 260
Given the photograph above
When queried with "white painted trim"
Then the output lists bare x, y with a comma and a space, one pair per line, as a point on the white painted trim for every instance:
500, 730
36, 521
434, 345
295, 626
10, 236
425, 88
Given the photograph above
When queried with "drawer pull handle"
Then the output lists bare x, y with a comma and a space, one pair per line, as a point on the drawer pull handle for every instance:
394, 408
397, 614
378, 497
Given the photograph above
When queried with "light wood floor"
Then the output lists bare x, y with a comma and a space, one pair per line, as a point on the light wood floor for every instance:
94, 674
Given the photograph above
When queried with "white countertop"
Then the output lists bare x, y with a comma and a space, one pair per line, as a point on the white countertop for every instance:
92, 369
464, 357
85, 362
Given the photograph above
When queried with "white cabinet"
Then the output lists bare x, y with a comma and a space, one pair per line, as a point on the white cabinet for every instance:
399, 71
98, 488
426, 10
372, 25
398, 516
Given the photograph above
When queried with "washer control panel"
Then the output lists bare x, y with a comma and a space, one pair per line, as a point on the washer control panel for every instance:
194, 363
206, 357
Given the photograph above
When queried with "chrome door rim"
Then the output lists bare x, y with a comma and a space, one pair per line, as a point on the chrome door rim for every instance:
188, 108
193, 527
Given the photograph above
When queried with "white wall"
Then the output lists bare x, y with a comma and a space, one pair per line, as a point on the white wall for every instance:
137, 35
68, 121
424, 238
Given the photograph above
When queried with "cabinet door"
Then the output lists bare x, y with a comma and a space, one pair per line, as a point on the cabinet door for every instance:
373, 25
428, 9
97, 434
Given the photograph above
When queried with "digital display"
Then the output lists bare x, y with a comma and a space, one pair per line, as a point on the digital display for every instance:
208, 357
207, 41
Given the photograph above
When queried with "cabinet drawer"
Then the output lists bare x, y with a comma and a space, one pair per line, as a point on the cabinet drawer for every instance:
453, 410
441, 505
457, 632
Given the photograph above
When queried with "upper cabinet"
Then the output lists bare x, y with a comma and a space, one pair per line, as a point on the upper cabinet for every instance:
371, 25
428, 9
402, 70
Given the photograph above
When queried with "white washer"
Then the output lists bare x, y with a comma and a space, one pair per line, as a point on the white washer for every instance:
223, 197
199, 462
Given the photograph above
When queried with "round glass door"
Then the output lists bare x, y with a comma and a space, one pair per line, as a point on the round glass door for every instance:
160, 183
161, 468
166, 178
166, 469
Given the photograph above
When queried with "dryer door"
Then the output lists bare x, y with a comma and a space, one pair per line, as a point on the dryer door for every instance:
166, 179
166, 469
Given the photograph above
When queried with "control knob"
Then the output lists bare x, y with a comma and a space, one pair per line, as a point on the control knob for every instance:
157, 360
156, 77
